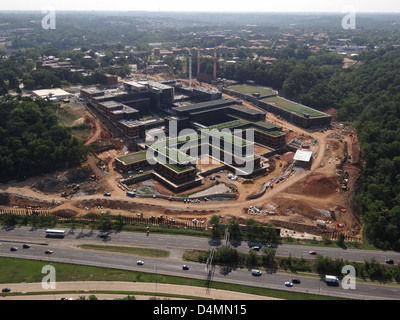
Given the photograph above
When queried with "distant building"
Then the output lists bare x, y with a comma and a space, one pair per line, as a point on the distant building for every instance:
158, 68
52, 94
112, 80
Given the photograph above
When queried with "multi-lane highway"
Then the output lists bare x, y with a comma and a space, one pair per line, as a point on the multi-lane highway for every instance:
65, 250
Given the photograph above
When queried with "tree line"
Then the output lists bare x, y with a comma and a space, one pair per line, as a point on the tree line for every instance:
32, 142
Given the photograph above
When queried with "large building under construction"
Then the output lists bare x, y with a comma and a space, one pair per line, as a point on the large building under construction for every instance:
293, 112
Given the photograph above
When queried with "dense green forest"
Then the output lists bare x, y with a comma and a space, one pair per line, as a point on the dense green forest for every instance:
31, 140
366, 95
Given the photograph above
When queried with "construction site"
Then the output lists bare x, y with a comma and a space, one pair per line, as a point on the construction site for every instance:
305, 198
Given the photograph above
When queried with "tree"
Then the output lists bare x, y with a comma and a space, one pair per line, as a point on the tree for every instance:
213, 223
340, 241
234, 229
268, 256
105, 221
251, 259
119, 222
226, 255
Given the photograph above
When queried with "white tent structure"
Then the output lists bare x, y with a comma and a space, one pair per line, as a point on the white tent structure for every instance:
303, 158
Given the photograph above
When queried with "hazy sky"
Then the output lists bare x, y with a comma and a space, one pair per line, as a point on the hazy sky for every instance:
208, 5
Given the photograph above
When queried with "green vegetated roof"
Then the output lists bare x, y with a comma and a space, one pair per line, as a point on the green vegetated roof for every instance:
292, 106
177, 168
172, 141
264, 126
230, 137
247, 89
173, 154
133, 157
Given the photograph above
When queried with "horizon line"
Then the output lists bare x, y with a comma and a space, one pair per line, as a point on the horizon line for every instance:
192, 11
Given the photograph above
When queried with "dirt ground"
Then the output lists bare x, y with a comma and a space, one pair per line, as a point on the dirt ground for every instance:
295, 204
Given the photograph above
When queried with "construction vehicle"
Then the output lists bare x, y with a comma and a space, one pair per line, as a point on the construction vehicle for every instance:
130, 194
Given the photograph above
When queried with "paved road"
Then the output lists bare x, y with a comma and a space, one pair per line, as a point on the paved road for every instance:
93, 286
65, 251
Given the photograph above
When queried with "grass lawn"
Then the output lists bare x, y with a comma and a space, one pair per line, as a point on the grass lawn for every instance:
20, 270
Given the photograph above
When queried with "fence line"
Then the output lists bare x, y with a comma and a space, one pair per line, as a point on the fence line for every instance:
163, 221
334, 235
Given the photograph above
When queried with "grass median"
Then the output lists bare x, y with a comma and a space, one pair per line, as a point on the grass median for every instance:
144, 252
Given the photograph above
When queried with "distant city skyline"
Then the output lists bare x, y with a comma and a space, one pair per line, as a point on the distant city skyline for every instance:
383, 6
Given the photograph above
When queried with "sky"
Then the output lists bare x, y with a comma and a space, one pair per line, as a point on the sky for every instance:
208, 5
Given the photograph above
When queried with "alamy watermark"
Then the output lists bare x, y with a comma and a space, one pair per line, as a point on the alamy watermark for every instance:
349, 20
49, 20
349, 280
49, 280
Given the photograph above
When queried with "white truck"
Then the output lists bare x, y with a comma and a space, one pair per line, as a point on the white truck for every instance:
332, 280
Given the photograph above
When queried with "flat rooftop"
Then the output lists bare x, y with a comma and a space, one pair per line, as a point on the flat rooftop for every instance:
131, 123
241, 108
247, 89
132, 157
202, 105
294, 107
303, 155
53, 92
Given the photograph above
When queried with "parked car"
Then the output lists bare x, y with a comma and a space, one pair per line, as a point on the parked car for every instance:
107, 194
185, 267
255, 248
256, 272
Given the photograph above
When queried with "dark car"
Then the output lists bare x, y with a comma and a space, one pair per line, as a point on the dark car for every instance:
48, 252
256, 272
389, 261
5, 290
107, 194
185, 267
13, 249
26, 245
296, 280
